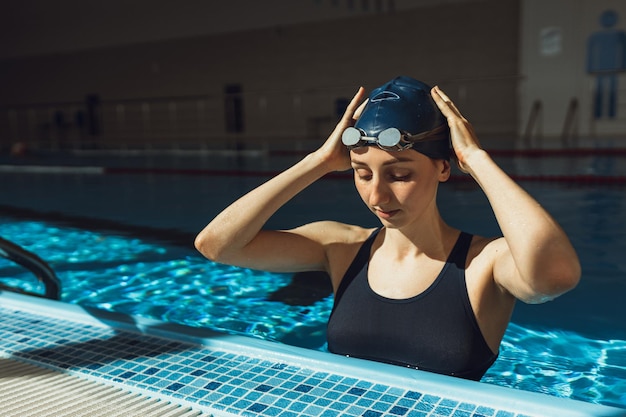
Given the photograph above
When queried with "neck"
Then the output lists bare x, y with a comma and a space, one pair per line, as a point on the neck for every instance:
432, 238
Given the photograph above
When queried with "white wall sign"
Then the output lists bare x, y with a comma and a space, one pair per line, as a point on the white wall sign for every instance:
550, 41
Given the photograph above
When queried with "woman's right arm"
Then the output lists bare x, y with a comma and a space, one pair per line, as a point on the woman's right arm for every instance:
236, 237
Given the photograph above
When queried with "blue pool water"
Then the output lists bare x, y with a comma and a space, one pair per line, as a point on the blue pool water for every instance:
573, 347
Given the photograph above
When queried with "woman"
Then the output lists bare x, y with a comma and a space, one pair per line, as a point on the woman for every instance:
415, 292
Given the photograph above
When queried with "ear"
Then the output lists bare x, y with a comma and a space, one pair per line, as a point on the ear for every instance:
444, 170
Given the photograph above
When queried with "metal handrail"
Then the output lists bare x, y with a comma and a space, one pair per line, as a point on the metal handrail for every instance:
34, 264
570, 126
534, 123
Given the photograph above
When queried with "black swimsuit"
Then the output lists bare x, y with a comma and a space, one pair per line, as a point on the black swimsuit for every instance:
434, 331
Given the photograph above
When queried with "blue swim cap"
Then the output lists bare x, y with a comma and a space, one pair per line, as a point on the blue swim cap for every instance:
406, 105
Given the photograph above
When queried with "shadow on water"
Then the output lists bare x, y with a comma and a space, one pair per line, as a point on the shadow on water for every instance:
305, 289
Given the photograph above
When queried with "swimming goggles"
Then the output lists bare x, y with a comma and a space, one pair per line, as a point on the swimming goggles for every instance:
390, 139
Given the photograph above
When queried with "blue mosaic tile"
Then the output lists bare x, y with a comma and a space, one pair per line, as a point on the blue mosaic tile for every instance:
485, 411
380, 406
424, 407
502, 413
398, 411
356, 391
365, 402
467, 407
213, 378
272, 411
443, 411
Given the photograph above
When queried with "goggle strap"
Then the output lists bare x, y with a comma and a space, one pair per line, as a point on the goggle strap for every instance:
433, 134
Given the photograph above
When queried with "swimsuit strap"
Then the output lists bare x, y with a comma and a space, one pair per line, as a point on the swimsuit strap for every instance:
458, 255
361, 258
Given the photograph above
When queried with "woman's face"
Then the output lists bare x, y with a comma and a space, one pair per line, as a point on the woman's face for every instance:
399, 187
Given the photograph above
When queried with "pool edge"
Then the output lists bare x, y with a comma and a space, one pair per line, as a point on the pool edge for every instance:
532, 403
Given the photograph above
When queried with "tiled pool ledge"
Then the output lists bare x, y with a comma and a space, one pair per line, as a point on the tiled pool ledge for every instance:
224, 375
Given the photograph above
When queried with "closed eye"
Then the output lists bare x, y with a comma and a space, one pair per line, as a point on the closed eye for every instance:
363, 175
400, 174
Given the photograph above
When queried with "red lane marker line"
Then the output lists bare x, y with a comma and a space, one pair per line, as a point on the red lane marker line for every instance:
579, 179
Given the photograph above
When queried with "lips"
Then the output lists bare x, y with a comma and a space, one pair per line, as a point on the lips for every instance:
385, 214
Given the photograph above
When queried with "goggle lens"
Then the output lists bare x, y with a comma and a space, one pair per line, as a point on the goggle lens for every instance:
351, 137
389, 138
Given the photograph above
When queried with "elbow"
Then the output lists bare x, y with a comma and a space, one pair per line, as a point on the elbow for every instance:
205, 245
553, 283
198, 243
568, 275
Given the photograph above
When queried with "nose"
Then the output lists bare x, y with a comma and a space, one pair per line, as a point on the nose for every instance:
379, 194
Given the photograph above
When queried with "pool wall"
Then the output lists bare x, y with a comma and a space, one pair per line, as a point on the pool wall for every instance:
228, 375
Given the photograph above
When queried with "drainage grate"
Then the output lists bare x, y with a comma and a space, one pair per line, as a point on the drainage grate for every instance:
29, 390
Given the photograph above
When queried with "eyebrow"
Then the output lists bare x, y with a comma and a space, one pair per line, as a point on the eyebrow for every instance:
392, 161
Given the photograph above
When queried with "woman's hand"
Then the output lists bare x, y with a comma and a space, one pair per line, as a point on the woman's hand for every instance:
535, 260
333, 152
462, 135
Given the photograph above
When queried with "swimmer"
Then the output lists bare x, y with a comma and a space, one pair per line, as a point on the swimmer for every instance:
415, 291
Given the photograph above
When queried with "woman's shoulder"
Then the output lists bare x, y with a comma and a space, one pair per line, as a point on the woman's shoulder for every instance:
485, 249
341, 243
334, 232
479, 243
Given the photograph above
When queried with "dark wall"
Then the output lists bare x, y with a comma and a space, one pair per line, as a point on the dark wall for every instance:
292, 75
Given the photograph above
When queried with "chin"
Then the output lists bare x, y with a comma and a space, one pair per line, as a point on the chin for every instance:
390, 223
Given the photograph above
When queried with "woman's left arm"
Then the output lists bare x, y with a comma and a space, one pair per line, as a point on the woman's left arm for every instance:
535, 260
